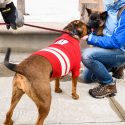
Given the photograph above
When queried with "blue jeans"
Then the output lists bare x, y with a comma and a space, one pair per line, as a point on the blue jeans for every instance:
99, 62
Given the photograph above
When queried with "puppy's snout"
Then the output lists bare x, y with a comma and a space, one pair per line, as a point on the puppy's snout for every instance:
93, 24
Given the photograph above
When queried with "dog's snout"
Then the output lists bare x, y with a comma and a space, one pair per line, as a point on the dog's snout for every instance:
93, 24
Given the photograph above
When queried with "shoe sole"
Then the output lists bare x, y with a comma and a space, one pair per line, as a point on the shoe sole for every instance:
107, 95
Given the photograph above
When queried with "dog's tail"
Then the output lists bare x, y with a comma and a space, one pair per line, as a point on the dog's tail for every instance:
10, 66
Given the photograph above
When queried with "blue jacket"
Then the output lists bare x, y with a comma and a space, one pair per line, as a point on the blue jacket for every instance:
117, 40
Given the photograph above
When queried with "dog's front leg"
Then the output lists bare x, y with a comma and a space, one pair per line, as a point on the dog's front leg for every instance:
57, 85
74, 84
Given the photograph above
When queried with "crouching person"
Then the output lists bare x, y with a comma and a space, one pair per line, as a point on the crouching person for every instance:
11, 16
108, 53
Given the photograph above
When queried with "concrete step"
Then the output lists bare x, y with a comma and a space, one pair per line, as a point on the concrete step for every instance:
26, 42
27, 39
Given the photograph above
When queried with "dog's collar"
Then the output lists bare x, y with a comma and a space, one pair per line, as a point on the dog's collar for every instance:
73, 34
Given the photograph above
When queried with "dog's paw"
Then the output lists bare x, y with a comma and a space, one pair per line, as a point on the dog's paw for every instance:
8, 122
58, 90
75, 96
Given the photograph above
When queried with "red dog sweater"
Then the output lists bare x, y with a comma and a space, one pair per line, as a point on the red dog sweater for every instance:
64, 56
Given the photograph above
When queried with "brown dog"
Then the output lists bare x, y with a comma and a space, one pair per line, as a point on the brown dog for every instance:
33, 75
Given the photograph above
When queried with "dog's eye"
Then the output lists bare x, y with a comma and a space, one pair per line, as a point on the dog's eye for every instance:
98, 20
94, 17
95, 20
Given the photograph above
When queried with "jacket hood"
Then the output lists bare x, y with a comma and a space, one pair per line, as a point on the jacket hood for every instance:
116, 5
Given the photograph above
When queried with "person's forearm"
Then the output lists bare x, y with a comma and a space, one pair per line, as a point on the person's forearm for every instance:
102, 41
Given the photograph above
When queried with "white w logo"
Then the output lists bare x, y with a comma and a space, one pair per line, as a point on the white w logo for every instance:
61, 42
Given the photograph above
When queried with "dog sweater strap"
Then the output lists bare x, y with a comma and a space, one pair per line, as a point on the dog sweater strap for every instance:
120, 11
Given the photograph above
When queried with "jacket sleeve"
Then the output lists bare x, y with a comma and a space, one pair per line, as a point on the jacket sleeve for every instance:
117, 40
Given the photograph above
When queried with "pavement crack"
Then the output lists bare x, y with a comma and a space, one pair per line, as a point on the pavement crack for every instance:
117, 108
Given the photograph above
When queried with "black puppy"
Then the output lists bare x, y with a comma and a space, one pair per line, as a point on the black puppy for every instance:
96, 21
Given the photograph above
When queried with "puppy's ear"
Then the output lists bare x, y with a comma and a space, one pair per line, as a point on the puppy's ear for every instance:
89, 11
104, 15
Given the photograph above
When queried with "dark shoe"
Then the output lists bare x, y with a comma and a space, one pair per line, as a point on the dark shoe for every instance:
103, 91
118, 72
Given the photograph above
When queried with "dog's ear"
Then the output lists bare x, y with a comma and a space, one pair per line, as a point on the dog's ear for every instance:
84, 32
89, 11
76, 28
72, 25
104, 15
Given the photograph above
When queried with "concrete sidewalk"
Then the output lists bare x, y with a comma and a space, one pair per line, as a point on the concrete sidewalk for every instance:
64, 110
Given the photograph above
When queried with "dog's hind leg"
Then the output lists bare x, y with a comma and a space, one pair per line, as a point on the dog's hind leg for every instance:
43, 111
44, 105
16, 96
40, 93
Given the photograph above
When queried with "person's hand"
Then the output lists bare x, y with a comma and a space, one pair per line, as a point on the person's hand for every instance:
85, 37
8, 14
11, 16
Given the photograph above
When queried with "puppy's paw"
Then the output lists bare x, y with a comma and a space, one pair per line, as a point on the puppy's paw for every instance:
58, 90
75, 96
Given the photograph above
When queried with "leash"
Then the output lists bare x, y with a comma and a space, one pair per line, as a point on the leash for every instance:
40, 27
